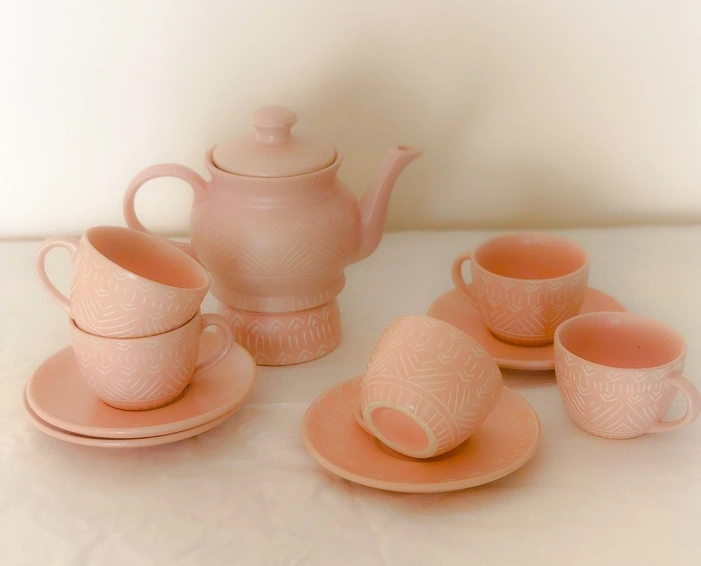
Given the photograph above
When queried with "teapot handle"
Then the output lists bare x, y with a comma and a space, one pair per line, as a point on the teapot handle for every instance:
197, 183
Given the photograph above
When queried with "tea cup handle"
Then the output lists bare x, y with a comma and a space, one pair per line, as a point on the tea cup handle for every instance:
693, 405
197, 183
462, 287
227, 341
69, 243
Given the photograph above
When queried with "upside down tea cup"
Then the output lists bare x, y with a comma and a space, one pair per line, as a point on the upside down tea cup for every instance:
618, 374
147, 372
427, 387
525, 285
125, 283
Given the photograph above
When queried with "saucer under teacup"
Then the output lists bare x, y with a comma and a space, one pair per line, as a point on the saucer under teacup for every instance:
504, 442
120, 442
452, 308
60, 397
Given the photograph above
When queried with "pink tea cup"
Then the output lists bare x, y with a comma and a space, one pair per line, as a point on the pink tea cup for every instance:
427, 387
618, 373
525, 285
137, 374
126, 283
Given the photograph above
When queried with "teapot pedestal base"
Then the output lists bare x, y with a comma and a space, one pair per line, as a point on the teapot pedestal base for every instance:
282, 339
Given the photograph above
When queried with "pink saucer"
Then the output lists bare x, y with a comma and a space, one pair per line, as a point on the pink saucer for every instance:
59, 396
452, 308
120, 442
502, 444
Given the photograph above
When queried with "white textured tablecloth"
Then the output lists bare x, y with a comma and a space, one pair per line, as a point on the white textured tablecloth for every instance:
248, 493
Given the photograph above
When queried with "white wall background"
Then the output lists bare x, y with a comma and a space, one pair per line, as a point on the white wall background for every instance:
532, 113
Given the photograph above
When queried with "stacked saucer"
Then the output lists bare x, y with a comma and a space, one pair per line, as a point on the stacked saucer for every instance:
59, 402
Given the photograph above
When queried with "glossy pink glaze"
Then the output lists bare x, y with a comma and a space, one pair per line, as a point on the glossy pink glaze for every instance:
148, 372
279, 243
125, 283
525, 285
618, 374
451, 307
427, 387
282, 339
504, 442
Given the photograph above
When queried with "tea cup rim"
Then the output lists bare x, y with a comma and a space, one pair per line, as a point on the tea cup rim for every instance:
132, 339
585, 265
630, 316
202, 273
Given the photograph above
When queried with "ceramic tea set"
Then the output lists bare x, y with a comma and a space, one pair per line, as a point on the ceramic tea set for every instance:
272, 232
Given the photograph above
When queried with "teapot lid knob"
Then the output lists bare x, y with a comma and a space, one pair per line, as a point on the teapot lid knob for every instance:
273, 125
272, 150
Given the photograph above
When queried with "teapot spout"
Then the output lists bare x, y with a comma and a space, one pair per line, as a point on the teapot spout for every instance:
375, 201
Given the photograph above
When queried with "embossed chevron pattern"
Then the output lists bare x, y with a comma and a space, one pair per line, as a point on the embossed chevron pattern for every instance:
613, 402
141, 373
294, 267
109, 300
437, 373
286, 338
294, 253
526, 311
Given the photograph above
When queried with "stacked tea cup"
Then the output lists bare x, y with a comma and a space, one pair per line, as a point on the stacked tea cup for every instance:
135, 320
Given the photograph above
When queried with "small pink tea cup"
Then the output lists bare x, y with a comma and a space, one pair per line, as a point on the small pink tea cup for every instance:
525, 285
427, 387
618, 373
126, 283
148, 372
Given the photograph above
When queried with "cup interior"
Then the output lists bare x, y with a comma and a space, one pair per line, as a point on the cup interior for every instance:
399, 430
531, 256
148, 256
621, 340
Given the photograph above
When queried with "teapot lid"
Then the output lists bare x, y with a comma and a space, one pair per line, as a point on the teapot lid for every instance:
272, 150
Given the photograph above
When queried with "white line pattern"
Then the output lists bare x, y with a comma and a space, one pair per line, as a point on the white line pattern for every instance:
109, 301
524, 312
138, 374
414, 365
274, 260
286, 338
612, 402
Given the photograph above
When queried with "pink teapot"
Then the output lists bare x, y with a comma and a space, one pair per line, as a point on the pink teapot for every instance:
275, 227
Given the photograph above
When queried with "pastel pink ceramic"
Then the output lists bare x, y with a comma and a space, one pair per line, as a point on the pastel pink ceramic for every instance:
59, 396
120, 442
272, 150
281, 339
452, 308
525, 285
125, 283
275, 227
136, 374
618, 374
427, 387
504, 442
